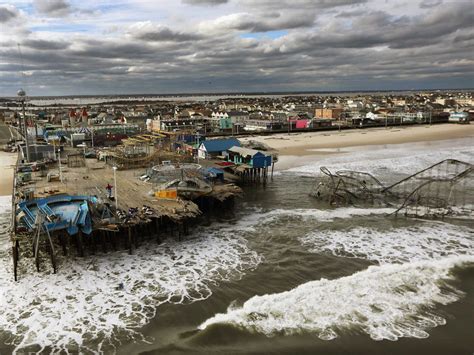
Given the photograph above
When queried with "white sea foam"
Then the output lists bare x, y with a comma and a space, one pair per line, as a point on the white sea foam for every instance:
424, 241
385, 302
5, 208
402, 158
81, 302
326, 215
80, 307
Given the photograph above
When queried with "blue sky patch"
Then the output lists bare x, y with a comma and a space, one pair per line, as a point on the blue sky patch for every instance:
260, 35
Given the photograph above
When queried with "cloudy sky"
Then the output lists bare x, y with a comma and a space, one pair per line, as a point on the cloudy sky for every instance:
170, 46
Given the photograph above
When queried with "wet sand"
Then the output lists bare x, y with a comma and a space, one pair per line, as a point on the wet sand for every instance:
300, 144
7, 162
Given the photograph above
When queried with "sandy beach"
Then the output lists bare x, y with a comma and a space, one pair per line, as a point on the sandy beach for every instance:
7, 161
299, 144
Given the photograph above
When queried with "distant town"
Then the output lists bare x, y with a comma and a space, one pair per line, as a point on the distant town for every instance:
118, 117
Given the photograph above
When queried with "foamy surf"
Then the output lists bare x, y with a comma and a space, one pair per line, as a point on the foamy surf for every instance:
385, 302
5, 217
323, 215
425, 241
81, 308
400, 159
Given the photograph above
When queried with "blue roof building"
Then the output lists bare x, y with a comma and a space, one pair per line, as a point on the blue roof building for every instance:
251, 157
216, 147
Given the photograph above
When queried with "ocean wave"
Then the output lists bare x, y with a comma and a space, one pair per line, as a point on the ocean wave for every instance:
425, 241
400, 159
81, 308
386, 302
323, 215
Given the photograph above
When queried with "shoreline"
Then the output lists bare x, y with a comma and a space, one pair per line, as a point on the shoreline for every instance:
302, 144
7, 163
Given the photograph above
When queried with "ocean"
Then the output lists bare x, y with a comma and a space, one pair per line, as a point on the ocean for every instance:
284, 274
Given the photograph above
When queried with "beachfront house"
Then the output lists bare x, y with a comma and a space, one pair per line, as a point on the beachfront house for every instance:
214, 148
251, 157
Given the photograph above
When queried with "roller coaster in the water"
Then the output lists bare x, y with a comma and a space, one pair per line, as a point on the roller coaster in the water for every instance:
443, 189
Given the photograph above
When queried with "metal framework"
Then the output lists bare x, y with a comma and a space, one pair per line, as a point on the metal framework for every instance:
445, 188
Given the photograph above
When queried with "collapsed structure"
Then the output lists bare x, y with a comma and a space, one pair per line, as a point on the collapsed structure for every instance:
111, 197
443, 189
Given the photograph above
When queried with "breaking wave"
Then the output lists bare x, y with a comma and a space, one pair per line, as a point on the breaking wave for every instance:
81, 307
421, 242
322, 215
401, 158
385, 302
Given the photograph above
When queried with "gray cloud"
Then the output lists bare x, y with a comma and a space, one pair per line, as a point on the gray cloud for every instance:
45, 45
163, 34
7, 14
426, 4
205, 2
349, 50
54, 8
261, 22
300, 4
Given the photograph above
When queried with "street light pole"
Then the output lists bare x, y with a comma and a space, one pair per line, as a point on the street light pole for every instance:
21, 94
115, 186
60, 170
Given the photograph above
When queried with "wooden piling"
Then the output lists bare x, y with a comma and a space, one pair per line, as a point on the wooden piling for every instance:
80, 243
129, 244
16, 257
103, 241
63, 241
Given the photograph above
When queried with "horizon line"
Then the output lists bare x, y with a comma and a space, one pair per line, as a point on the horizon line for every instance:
243, 93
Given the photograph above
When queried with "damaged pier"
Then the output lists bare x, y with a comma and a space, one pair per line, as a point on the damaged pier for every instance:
89, 205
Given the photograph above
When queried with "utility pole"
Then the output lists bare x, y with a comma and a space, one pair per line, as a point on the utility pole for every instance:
59, 161
115, 187
22, 96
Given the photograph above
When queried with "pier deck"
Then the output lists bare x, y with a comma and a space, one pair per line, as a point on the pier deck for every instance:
124, 226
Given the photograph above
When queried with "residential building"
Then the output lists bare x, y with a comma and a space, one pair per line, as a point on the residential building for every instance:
214, 148
331, 113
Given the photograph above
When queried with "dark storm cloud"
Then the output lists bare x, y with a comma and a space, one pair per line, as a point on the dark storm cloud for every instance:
7, 14
301, 4
166, 34
426, 4
353, 13
55, 8
379, 28
271, 22
351, 48
261, 22
205, 2
45, 45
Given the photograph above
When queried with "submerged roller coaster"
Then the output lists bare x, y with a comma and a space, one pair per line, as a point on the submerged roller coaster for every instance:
443, 189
